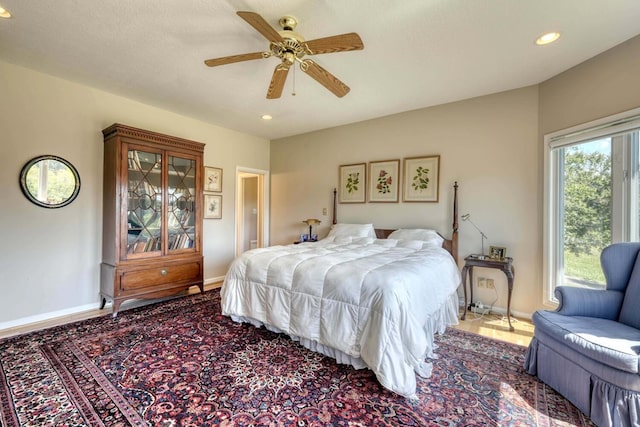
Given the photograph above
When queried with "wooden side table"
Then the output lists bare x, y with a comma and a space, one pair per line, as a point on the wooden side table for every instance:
504, 264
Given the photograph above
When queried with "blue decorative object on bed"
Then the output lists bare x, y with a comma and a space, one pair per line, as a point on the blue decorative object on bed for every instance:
589, 348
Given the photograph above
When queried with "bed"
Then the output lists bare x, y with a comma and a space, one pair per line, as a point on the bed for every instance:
372, 298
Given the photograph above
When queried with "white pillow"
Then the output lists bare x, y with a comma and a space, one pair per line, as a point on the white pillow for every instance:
352, 230
429, 236
362, 240
411, 244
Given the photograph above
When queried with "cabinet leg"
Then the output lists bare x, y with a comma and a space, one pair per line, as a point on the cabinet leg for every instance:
104, 301
116, 307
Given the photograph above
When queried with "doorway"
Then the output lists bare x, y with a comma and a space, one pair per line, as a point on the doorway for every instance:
251, 213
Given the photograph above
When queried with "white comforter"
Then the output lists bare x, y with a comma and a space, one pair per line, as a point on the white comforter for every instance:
380, 301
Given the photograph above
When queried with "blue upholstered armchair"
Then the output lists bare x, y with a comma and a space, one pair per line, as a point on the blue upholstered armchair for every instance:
589, 348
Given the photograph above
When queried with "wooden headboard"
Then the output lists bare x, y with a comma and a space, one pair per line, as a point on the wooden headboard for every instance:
451, 245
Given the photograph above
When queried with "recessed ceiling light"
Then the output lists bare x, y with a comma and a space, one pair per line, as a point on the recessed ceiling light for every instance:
267, 117
4, 13
547, 38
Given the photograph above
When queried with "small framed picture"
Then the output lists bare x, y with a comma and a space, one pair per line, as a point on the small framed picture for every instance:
383, 181
353, 179
497, 252
421, 176
213, 206
212, 179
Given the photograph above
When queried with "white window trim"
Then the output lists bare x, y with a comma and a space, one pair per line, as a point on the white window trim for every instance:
599, 128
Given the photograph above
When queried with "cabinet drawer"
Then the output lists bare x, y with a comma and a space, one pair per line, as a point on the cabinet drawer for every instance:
161, 275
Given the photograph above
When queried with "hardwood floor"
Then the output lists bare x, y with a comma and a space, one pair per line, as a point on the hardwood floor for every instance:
496, 326
490, 325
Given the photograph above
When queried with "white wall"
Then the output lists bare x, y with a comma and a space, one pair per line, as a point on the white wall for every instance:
602, 86
50, 258
488, 144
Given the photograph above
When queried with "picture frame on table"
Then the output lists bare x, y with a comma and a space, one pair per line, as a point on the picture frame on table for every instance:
213, 206
353, 180
212, 179
421, 180
384, 179
497, 252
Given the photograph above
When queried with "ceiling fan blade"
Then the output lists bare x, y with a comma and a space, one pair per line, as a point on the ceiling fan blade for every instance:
233, 58
277, 81
262, 26
325, 78
340, 43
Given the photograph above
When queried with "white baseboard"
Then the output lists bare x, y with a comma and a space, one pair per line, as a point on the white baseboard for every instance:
48, 316
502, 311
215, 282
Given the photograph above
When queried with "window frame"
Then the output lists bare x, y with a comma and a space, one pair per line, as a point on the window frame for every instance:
552, 199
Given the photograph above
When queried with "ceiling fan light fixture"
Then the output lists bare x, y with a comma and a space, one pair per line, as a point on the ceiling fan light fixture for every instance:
547, 38
288, 58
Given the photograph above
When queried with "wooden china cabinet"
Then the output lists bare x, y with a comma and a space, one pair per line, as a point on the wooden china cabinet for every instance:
152, 215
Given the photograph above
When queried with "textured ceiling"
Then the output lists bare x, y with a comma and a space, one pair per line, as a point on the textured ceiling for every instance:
418, 53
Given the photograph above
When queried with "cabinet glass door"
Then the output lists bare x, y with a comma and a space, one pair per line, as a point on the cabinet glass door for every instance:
144, 201
181, 202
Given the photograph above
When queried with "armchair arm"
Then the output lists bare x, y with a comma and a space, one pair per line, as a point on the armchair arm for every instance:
574, 301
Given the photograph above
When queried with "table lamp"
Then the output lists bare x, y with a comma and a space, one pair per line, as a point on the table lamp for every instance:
466, 217
311, 222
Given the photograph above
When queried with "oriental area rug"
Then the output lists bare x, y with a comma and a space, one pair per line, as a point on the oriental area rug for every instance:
181, 363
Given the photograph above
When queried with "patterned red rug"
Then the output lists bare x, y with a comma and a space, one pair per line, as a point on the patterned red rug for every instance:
182, 363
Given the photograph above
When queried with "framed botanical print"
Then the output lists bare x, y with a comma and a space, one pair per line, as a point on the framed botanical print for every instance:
421, 179
353, 179
212, 179
384, 177
213, 206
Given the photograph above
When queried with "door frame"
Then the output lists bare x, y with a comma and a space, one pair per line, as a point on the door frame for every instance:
262, 204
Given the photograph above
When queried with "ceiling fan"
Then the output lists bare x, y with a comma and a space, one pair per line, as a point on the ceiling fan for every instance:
290, 47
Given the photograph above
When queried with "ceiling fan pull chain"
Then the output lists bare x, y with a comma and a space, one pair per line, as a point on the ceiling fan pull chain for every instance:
294, 82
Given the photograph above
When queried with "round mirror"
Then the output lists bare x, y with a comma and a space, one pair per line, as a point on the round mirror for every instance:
50, 181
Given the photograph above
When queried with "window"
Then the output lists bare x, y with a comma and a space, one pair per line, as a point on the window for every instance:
592, 195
